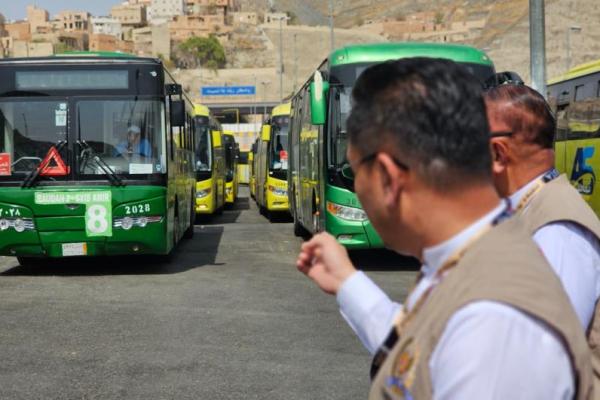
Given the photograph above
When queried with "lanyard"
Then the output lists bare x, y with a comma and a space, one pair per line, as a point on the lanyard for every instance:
537, 186
406, 316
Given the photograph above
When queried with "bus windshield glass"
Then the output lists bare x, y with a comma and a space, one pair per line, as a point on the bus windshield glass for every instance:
279, 143
28, 130
203, 145
128, 135
345, 77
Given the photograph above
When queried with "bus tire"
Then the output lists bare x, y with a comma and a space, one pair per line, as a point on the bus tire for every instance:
299, 230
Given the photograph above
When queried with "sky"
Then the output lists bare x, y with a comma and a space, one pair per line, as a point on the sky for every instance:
15, 9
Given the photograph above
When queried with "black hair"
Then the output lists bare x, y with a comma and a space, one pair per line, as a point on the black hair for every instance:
526, 112
430, 114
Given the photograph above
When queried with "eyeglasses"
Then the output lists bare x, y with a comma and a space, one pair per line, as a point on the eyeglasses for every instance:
348, 173
501, 134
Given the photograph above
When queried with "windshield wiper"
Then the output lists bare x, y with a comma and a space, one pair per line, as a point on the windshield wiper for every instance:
88, 154
34, 174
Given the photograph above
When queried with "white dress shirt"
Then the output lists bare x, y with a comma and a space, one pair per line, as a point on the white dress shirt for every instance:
573, 252
487, 350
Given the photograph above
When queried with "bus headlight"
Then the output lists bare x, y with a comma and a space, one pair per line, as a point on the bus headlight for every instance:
202, 193
126, 223
228, 190
347, 213
18, 224
277, 191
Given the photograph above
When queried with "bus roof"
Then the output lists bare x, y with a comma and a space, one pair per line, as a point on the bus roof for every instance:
201, 110
576, 72
379, 52
282, 109
102, 54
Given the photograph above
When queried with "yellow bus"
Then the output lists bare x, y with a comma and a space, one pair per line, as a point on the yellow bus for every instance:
575, 99
210, 162
232, 152
252, 168
272, 162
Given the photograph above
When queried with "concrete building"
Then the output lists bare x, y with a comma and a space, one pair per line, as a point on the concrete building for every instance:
23, 48
130, 15
273, 19
107, 26
75, 21
250, 18
165, 10
186, 26
104, 42
38, 19
152, 41
18, 30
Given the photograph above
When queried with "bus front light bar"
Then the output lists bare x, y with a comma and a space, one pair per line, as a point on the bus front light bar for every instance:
347, 213
202, 193
18, 224
126, 223
277, 191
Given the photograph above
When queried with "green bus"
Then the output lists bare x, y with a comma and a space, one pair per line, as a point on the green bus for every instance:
575, 99
321, 198
96, 157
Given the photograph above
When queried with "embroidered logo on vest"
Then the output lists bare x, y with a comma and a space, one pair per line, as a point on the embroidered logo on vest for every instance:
403, 370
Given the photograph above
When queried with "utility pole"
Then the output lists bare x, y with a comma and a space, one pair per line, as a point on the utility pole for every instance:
295, 64
537, 45
332, 39
281, 59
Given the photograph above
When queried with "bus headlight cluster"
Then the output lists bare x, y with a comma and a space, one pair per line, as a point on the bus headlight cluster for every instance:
347, 213
228, 190
126, 223
202, 193
18, 224
278, 191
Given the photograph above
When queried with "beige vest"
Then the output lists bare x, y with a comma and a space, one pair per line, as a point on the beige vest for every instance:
559, 201
504, 266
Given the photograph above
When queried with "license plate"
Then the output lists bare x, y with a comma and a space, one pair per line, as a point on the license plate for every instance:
74, 249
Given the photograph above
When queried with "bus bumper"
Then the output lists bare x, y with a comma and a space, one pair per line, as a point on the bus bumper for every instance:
205, 205
353, 234
277, 202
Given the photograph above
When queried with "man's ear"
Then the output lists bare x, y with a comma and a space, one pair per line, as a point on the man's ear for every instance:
500, 155
392, 179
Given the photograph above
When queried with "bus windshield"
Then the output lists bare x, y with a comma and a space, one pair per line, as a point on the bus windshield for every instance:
203, 145
28, 130
128, 135
279, 143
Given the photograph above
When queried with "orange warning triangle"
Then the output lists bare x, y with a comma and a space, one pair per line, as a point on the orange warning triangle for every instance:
53, 164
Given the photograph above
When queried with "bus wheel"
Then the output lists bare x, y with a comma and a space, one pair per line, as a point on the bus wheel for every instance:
299, 230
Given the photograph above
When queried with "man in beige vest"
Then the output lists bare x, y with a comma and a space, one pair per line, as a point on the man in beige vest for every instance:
560, 221
488, 318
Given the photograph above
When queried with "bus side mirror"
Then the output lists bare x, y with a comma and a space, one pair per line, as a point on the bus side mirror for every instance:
177, 113
216, 138
318, 105
265, 133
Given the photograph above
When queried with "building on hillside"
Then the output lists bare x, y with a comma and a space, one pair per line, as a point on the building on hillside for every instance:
107, 42
274, 19
107, 26
23, 48
18, 30
38, 19
250, 18
165, 10
152, 41
186, 26
130, 15
75, 21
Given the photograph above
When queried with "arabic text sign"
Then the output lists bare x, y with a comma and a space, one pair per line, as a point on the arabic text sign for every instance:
228, 90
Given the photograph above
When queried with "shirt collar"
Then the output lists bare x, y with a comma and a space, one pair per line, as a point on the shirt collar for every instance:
435, 256
516, 197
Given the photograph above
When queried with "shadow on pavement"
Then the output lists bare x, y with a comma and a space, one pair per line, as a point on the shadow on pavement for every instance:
382, 260
193, 253
230, 214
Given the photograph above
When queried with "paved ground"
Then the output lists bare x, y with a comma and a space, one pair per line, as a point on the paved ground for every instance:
228, 317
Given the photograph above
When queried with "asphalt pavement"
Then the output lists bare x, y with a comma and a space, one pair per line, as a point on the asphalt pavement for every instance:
226, 317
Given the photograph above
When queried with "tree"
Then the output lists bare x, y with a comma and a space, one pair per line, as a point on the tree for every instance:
202, 52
